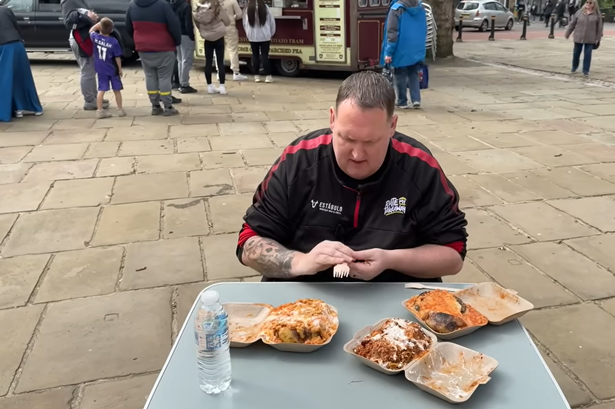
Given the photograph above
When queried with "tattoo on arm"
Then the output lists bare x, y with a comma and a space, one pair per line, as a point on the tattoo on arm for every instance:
269, 257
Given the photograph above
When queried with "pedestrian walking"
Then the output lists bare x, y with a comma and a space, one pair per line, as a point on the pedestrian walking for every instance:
185, 51
211, 20
259, 25
18, 90
533, 11
156, 32
548, 11
108, 66
403, 47
79, 18
587, 28
231, 39
560, 11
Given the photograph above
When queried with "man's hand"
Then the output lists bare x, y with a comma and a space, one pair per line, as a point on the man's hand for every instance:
325, 255
388, 59
370, 264
92, 16
95, 27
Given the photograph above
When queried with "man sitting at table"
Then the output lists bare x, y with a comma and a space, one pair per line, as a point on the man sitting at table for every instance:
358, 193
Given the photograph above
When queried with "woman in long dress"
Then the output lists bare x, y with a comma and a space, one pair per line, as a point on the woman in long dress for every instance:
18, 92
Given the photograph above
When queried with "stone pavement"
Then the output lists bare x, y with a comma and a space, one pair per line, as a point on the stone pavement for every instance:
109, 229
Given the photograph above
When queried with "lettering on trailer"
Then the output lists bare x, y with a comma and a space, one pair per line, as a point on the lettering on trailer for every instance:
278, 40
273, 50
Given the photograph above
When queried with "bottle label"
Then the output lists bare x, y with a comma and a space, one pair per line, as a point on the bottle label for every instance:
214, 333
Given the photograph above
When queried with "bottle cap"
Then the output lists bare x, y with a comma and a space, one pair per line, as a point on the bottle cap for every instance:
210, 297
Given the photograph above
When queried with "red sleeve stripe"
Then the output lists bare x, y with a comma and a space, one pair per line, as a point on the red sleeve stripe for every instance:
457, 246
245, 233
306, 144
428, 159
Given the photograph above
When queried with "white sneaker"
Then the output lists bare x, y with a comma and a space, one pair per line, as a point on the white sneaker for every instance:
222, 89
238, 77
212, 90
257, 78
416, 105
18, 114
269, 79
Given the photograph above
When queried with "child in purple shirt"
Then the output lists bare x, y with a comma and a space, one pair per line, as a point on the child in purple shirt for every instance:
108, 65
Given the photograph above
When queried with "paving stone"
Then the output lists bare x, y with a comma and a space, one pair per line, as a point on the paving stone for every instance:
63, 137
534, 183
21, 197
599, 249
575, 395
215, 160
51, 399
20, 324
187, 295
212, 182
184, 218
505, 140
502, 187
598, 212
31, 126
13, 173
120, 334
116, 167
78, 193
577, 181
221, 260
81, 273
486, 230
127, 223
50, 231
210, 119
200, 144
283, 139
22, 138
73, 124
124, 394
14, 154
563, 265
460, 144
507, 126
311, 125
245, 141
471, 194
178, 162
603, 170
6, 222
163, 262
248, 179
497, 160
18, 277
261, 157
596, 151
61, 170
609, 306
511, 271
241, 129
565, 331
553, 155
542, 221
210, 109
155, 147
452, 165
555, 137
281, 126
102, 150
138, 133
281, 115
608, 405
255, 279
468, 274
249, 117
227, 212
141, 188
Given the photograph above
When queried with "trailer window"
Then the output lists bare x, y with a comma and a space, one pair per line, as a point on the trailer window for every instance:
374, 3
386, 2
362, 3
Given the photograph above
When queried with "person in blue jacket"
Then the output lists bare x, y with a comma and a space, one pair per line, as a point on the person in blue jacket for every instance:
405, 35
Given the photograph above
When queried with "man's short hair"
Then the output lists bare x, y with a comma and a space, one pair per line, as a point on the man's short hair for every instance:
368, 90
106, 26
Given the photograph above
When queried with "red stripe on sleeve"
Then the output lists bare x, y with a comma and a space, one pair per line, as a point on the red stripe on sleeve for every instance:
457, 246
245, 234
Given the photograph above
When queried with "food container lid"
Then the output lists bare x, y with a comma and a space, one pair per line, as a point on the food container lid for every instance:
495, 302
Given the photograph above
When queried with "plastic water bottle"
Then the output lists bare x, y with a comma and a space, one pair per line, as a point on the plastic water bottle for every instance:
212, 344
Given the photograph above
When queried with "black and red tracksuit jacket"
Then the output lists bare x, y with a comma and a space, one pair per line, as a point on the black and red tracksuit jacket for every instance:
305, 199
153, 25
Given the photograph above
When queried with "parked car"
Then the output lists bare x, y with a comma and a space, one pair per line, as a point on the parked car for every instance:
42, 25
478, 14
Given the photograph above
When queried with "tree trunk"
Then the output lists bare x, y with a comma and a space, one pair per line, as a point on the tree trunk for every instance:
443, 11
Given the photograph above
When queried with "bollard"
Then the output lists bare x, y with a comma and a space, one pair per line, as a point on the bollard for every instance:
524, 32
492, 35
552, 31
459, 40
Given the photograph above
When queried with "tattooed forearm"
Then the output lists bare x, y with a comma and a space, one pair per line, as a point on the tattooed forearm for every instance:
269, 257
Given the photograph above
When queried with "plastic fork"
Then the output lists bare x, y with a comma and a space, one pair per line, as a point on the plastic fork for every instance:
341, 270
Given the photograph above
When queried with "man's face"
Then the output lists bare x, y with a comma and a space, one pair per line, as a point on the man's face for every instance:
360, 138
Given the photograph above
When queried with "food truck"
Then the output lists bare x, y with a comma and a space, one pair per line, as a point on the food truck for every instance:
339, 35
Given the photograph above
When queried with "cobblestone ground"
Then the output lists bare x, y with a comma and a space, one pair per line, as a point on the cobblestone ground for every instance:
109, 229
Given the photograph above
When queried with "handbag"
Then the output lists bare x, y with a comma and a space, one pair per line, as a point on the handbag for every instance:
387, 73
597, 45
424, 77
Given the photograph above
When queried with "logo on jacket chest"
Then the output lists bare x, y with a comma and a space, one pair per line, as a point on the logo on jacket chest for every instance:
395, 206
327, 207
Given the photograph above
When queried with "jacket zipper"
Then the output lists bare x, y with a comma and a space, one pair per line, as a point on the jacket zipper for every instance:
357, 206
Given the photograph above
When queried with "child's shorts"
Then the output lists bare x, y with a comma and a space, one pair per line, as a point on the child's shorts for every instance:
114, 81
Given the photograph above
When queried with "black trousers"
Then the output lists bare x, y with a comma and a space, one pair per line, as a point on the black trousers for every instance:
175, 77
260, 53
217, 47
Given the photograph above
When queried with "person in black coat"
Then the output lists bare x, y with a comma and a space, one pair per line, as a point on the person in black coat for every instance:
548, 10
560, 11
